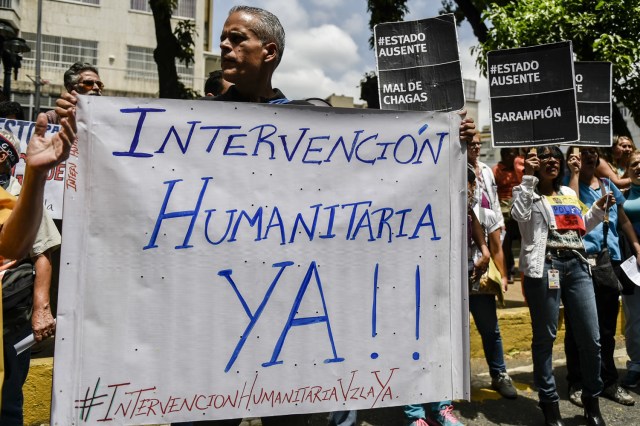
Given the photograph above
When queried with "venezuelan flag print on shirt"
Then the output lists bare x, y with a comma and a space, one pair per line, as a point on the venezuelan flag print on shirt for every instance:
568, 211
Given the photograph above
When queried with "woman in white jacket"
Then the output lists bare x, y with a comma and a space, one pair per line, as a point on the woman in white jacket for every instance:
553, 260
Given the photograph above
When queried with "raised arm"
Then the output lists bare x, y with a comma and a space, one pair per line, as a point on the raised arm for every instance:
574, 164
19, 230
604, 171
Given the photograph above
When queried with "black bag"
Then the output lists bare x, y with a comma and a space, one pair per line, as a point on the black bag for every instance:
602, 273
17, 298
626, 251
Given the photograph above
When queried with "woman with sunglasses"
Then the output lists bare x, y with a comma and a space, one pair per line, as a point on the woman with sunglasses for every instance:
554, 265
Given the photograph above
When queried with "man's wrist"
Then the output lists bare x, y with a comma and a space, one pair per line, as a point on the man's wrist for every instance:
35, 174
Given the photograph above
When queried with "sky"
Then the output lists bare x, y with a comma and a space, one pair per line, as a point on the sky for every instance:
327, 46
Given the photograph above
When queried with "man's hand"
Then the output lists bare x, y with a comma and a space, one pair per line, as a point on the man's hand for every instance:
467, 127
42, 323
45, 152
66, 104
467, 130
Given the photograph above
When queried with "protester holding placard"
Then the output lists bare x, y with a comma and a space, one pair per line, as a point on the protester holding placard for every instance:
251, 47
607, 288
631, 302
614, 161
554, 263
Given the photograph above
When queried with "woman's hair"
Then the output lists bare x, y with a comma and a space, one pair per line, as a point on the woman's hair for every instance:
555, 153
504, 152
617, 139
607, 153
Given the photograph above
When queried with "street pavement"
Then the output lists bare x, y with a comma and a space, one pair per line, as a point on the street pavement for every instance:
487, 407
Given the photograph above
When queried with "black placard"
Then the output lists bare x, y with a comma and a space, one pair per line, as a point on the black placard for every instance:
532, 95
593, 91
418, 65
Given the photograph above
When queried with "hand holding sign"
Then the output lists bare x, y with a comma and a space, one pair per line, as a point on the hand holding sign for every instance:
66, 103
531, 163
467, 127
574, 163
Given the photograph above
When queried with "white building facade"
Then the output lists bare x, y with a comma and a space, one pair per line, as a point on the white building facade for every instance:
117, 36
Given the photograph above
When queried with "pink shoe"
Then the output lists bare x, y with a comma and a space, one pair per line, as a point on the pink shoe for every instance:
444, 417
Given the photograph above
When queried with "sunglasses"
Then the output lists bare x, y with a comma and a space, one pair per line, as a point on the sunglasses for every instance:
547, 157
88, 84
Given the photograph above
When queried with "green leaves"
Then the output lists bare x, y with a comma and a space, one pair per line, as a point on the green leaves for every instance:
601, 30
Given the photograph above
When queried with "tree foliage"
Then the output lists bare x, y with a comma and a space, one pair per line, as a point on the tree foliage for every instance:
600, 30
172, 43
380, 11
385, 11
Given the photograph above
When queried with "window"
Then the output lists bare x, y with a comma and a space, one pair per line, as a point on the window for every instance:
86, 1
27, 101
61, 52
141, 65
184, 9
9, 4
469, 89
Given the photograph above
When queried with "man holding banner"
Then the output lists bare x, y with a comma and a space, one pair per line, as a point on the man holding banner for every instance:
251, 45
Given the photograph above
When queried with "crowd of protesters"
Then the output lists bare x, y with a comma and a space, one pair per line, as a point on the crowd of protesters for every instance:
565, 209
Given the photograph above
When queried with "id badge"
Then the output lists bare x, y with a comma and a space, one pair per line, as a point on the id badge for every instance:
554, 279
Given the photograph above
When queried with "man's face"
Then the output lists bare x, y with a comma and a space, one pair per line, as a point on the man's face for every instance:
242, 52
89, 84
473, 150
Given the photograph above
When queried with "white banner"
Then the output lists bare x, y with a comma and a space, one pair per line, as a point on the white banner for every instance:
54, 187
225, 260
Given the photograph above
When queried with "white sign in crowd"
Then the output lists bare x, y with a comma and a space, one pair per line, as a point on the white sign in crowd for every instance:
226, 260
54, 188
